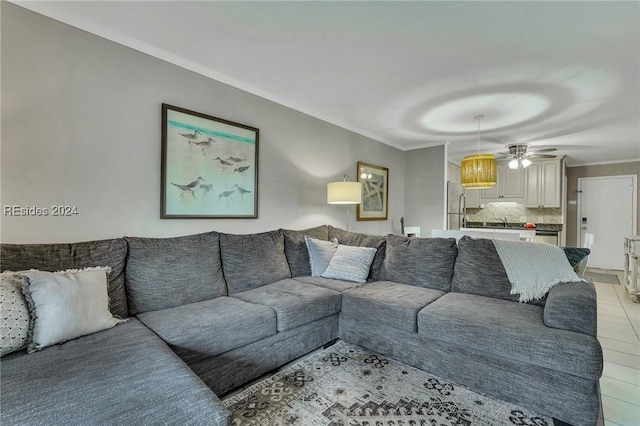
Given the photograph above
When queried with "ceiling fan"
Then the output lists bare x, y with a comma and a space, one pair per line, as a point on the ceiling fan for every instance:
520, 154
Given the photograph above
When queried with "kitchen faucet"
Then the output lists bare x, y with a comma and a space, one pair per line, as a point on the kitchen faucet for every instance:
504, 221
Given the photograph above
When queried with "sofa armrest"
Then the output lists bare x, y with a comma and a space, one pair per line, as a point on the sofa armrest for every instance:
573, 307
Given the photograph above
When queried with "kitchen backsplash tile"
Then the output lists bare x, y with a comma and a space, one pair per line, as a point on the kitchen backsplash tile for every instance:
514, 212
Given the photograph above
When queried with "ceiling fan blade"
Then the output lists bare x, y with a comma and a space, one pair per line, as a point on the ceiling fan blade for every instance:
541, 149
541, 156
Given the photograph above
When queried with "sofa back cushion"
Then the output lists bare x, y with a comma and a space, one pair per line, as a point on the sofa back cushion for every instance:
296, 251
362, 240
253, 260
479, 271
58, 257
166, 272
423, 262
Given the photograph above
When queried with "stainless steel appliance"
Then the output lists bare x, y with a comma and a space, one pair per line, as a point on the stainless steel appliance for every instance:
456, 206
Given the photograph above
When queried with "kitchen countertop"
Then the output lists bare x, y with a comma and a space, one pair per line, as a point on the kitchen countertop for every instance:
553, 227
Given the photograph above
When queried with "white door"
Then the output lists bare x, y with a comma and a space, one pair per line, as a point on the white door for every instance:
607, 208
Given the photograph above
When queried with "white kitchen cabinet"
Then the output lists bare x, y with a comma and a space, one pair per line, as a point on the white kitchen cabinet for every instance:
543, 184
509, 186
472, 197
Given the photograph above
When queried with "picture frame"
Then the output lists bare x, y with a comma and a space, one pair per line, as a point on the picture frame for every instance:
209, 167
375, 192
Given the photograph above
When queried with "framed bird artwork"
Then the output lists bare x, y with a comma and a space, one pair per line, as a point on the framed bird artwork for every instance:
209, 167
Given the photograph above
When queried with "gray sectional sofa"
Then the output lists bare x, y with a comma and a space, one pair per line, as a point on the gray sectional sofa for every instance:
210, 312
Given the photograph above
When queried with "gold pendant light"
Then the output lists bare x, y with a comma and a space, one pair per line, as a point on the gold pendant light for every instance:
479, 170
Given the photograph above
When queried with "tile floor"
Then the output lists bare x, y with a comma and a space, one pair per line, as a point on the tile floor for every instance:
618, 333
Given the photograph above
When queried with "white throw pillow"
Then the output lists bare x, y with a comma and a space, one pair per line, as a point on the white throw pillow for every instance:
320, 254
350, 263
14, 313
68, 304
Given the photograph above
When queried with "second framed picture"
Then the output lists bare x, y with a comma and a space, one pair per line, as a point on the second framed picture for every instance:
375, 192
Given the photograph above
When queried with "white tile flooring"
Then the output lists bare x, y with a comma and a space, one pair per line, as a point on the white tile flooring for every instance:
618, 333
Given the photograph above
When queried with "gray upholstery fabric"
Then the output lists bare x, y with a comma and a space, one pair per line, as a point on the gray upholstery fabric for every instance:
362, 240
573, 307
337, 285
211, 327
479, 270
424, 262
295, 303
234, 368
570, 398
166, 272
514, 330
253, 260
383, 302
57, 257
296, 250
124, 375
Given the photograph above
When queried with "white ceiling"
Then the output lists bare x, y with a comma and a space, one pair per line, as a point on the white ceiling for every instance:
411, 74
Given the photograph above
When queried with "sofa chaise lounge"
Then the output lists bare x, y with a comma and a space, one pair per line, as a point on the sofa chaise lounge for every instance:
210, 312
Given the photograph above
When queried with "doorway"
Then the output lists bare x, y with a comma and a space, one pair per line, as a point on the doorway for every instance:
607, 208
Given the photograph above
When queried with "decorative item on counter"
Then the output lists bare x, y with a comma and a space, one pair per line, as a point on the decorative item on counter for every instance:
529, 225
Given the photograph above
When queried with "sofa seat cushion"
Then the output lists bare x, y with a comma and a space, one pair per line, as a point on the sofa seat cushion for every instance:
123, 375
295, 303
393, 304
212, 326
511, 330
330, 283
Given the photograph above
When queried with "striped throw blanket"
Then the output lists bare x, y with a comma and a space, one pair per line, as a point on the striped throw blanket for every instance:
533, 268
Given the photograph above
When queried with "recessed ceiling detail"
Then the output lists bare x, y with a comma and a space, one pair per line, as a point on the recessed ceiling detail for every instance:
409, 74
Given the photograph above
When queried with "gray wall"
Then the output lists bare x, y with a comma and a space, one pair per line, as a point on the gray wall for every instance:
81, 126
424, 192
574, 173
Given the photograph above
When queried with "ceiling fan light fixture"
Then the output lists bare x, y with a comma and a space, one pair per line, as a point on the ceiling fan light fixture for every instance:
513, 164
526, 163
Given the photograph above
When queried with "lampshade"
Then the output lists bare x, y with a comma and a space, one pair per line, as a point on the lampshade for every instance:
344, 192
478, 171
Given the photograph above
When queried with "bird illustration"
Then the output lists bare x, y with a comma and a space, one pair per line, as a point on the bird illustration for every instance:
236, 159
204, 145
183, 189
205, 189
242, 170
191, 136
227, 195
241, 190
195, 182
223, 164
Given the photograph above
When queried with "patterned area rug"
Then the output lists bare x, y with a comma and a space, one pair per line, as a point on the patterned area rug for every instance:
345, 385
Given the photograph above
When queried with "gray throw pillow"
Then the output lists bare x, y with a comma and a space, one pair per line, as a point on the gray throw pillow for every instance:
363, 240
296, 251
167, 272
350, 263
253, 260
320, 254
60, 257
423, 262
